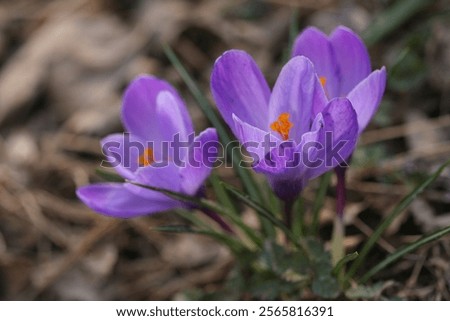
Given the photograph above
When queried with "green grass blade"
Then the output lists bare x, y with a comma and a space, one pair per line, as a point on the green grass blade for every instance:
109, 175
262, 211
232, 244
392, 18
318, 202
404, 203
221, 193
246, 178
348, 258
403, 251
202, 203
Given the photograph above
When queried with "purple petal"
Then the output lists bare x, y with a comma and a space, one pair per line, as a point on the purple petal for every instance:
200, 161
171, 119
314, 44
113, 199
366, 97
296, 92
337, 139
352, 57
256, 141
284, 170
287, 166
239, 87
164, 175
123, 151
139, 112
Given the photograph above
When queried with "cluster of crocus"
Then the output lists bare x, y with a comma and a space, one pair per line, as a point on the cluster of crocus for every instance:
295, 117
308, 124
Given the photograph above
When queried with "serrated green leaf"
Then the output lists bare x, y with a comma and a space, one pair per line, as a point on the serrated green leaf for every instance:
326, 287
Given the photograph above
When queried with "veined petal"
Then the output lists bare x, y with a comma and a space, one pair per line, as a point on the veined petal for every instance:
315, 45
199, 161
164, 175
338, 138
239, 87
256, 141
296, 93
170, 118
352, 58
139, 111
366, 97
113, 199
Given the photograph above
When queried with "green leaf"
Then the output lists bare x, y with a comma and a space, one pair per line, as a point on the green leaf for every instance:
405, 250
340, 265
221, 193
404, 203
262, 211
326, 287
202, 203
271, 289
109, 176
324, 283
288, 265
177, 229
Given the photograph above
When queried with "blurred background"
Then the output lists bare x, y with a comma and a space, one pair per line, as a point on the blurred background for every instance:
63, 67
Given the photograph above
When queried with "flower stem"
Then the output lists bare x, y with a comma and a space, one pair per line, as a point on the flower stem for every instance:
340, 190
337, 241
288, 205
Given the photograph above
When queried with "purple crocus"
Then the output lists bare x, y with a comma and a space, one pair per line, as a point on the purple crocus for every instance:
290, 132
154, 117
342, 64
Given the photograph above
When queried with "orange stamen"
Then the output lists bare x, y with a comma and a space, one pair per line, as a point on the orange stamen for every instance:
282, 125
323, 81
146, 158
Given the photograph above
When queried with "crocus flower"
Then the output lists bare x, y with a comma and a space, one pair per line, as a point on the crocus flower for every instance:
342, 64
296, 117
153, 114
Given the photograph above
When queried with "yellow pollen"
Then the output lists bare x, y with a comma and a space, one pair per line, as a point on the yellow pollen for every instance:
282, 125
146, 158
323, 81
